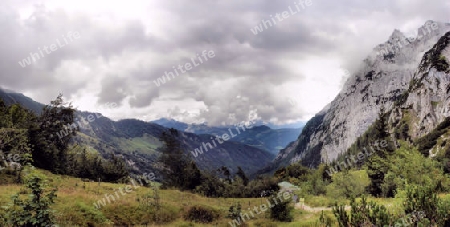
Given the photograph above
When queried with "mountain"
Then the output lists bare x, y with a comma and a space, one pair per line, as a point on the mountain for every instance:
137, 141
260, 136
294, 125
408, 76
170, 123
11, 97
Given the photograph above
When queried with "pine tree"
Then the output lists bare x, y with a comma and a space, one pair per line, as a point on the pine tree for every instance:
240, 173
173, 159
193, 177
376, 165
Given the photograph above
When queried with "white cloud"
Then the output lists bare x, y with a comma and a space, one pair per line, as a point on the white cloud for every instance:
288, 72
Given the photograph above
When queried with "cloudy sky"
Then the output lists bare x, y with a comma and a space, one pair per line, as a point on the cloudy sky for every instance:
286, 73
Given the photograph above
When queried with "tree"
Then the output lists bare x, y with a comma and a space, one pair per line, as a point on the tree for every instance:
225, 172
377, 166
376, 170
50, 135
240, 173
180, 171
193, 177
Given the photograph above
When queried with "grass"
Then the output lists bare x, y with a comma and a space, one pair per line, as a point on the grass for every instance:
146, 144
74, 206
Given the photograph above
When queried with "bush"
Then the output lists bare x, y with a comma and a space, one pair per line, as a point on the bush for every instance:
34, 211
408, 167
234, 211
201, 214
362, 214
324, 220
281, 211
348, 184
425, 200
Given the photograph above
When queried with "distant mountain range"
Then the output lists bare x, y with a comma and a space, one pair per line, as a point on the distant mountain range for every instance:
260, 136
137, 141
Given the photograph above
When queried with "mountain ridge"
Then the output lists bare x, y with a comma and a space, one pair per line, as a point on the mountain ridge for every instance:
381, 80
138, 142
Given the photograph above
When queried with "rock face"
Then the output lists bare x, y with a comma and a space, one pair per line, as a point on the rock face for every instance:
384, 79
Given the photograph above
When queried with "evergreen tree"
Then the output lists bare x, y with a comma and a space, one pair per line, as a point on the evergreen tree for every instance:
173, 159
193, 177
376, 165
240, 173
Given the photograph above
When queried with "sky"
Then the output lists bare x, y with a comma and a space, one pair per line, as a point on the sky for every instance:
107, 56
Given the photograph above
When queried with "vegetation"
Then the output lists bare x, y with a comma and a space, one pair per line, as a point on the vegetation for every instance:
34, 211
201, 214
362, 214
281, 210
34, 139
384, 188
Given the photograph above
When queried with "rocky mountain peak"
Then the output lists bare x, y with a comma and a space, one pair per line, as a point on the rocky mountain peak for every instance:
382, 79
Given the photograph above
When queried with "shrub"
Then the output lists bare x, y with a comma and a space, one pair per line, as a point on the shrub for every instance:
362, 214
425, 200
201, 214
34, 211
235, 211
281, 211
408, 167
348, 184
324, 220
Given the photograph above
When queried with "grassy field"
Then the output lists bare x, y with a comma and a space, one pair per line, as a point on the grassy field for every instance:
75, 206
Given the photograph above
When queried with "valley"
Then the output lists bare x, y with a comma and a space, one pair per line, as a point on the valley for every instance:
338, 116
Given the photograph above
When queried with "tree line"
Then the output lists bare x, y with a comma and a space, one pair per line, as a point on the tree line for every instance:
31, 136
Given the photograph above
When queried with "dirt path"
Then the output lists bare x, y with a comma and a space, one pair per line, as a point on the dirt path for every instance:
301, 206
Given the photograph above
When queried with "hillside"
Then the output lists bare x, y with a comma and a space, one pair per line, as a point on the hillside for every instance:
138, 141
11, 97
388, 76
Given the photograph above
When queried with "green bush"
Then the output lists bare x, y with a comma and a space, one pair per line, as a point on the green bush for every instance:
34, 211
362, 214
348, 184
408, 167
201, 214
426, 200
281, 211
